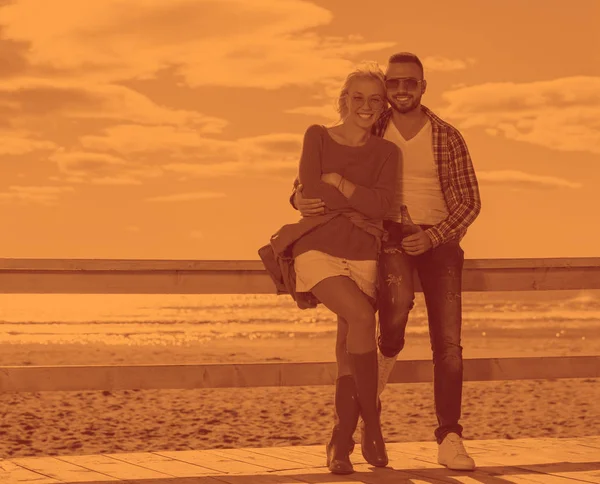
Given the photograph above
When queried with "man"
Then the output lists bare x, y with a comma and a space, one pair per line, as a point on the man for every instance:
437, 184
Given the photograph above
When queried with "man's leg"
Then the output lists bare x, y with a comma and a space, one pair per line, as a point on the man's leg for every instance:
395, 300
440, 272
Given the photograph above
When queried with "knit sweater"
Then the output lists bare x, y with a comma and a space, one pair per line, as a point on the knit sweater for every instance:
372, 167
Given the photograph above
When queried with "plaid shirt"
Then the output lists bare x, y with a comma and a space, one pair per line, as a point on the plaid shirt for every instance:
456, 175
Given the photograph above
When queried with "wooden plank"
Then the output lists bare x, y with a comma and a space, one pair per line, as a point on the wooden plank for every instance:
592, 441
40, 264
103, 265
511, 458
154, 282
537, 478
394, 475
521, 474
61, 470
264, 459
250, 375
540, 451
528, 461
275, 478
558, 457
404, 467
293, 454
363, 473
419, 471
88, 276
142, 465
425, 466
12, 473
212, 460
477, 478
317, 476
291, 462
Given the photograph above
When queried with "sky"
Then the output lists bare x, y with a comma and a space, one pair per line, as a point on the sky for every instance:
147, 129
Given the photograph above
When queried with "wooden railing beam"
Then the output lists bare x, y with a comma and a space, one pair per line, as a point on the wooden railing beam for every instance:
249, 375
73, 276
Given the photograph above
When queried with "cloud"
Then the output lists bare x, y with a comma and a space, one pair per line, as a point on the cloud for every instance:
187, 197
131, 139
267, 155
44, 195
209, 170
19, 142
111, 180
444, 64
100, 168
76, 163
13, 55
264, 44
185, 152
561, 114
514, 178
76, 99
275, 144
105, 180
326, 111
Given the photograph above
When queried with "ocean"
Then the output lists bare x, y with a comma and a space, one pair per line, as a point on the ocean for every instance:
184, 319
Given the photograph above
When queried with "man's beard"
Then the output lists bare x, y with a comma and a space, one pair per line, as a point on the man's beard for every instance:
406, 108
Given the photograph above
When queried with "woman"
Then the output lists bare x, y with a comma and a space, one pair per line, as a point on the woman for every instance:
335, 255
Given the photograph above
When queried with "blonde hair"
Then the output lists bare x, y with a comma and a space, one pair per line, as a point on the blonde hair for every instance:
366, 70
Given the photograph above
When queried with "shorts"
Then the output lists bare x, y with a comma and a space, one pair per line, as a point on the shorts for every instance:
313, 266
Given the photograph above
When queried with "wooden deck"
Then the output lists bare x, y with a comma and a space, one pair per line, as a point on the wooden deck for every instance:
545, 460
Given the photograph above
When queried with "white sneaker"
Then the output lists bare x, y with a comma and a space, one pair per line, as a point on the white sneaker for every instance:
386, 365
453, 455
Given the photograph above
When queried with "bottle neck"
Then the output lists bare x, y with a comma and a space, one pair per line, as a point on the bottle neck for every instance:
409, 228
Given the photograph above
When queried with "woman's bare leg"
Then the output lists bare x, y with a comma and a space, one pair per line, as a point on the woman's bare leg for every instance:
341, 350
342, 296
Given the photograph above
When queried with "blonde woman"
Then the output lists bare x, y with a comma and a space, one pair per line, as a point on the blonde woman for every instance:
335, 254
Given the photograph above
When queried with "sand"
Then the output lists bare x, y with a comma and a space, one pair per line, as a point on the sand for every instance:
69, 423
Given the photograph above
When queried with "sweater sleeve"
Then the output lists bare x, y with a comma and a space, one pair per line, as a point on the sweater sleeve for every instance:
375, 201
310, 172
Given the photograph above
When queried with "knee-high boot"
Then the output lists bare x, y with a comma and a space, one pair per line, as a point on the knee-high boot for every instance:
347, 410
364, 371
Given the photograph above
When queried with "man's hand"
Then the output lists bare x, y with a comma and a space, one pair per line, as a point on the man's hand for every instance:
417, 243
308, 207
333, 179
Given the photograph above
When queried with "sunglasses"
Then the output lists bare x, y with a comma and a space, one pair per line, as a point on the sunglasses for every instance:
374, 102
409, 83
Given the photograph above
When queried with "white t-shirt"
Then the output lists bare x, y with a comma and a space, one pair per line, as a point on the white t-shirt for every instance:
419, 187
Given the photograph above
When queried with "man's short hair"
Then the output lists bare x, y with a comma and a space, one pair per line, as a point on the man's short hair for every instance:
406, 57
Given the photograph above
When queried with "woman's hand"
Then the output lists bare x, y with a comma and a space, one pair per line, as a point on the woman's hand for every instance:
333, 179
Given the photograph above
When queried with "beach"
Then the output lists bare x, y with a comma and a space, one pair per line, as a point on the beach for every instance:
216, 329
69, 423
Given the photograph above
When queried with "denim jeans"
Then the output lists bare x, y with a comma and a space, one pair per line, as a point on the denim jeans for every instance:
440, 273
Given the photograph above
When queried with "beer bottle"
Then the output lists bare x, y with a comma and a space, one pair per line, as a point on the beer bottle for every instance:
408, 226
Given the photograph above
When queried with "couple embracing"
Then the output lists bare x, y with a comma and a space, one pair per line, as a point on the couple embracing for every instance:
356, 248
